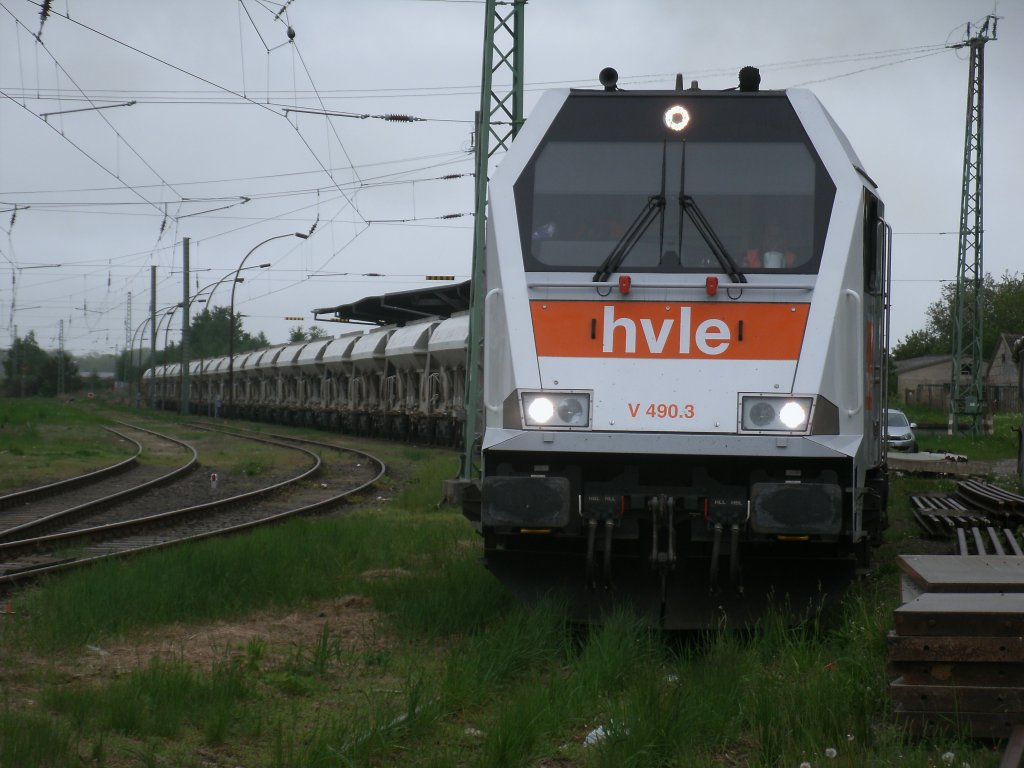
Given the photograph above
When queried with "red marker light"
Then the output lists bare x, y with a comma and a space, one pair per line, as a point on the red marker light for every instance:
625, 282
711, 286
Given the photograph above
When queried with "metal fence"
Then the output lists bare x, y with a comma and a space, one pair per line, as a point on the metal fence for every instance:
1001, 399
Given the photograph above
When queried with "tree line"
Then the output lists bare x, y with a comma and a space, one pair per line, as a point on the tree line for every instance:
30, 370
1002, 312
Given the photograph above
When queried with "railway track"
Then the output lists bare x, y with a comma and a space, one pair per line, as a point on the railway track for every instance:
319, 485
35, 493
35, 511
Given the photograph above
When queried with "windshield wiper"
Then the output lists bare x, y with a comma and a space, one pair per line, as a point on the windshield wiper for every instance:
693, 212
652, 209
703, 226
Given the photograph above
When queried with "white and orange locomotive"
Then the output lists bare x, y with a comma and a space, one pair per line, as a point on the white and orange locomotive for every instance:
685, 331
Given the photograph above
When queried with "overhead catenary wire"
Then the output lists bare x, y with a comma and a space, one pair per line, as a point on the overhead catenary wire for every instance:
65, 205
200, 78
67, 74
900, 55
454, 156
165, 218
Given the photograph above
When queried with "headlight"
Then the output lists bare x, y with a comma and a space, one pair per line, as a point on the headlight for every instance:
769, 413
556, 409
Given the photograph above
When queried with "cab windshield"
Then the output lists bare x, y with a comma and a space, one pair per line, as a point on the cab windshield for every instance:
744, 161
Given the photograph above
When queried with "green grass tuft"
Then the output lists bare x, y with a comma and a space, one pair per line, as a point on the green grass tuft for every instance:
157, 700
34, 740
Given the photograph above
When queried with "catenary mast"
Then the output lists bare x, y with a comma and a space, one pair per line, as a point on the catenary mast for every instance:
498, 121
967, 388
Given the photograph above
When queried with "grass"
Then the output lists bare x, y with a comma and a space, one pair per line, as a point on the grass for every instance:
1001, 444
158, 700
35, 739
300, 561
43, 440
454, 672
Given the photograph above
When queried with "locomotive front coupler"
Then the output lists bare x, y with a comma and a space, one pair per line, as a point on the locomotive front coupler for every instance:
598, 508
662, 509
734, 514
606, 568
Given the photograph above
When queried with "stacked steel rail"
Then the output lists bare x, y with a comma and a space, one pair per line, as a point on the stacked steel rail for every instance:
981, 518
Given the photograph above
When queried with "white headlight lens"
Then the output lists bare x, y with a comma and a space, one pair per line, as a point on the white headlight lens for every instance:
556, 409
793, 415
766, 413
540, 410
676, 118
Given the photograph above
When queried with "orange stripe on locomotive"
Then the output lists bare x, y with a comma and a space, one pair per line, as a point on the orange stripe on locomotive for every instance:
671, 330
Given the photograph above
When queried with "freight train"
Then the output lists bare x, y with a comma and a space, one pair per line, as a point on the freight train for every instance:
685, 330
403, 382
685, 324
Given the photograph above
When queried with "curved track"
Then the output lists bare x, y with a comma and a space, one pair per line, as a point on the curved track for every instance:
347, 471
35, 511
29, 495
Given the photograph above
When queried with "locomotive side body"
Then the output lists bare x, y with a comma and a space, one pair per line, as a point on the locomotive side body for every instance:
684, 353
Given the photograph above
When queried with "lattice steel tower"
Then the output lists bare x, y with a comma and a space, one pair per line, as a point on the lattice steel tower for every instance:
967, 388
498, 121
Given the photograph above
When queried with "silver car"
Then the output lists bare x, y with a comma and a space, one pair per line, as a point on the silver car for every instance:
899, 431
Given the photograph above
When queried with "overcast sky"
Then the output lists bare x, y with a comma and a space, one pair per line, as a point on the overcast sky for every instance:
212, 149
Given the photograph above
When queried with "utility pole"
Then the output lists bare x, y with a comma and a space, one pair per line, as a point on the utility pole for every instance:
15, 368
60, 361
184, 330
152, 331
967, 387
498, 121
128, 336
